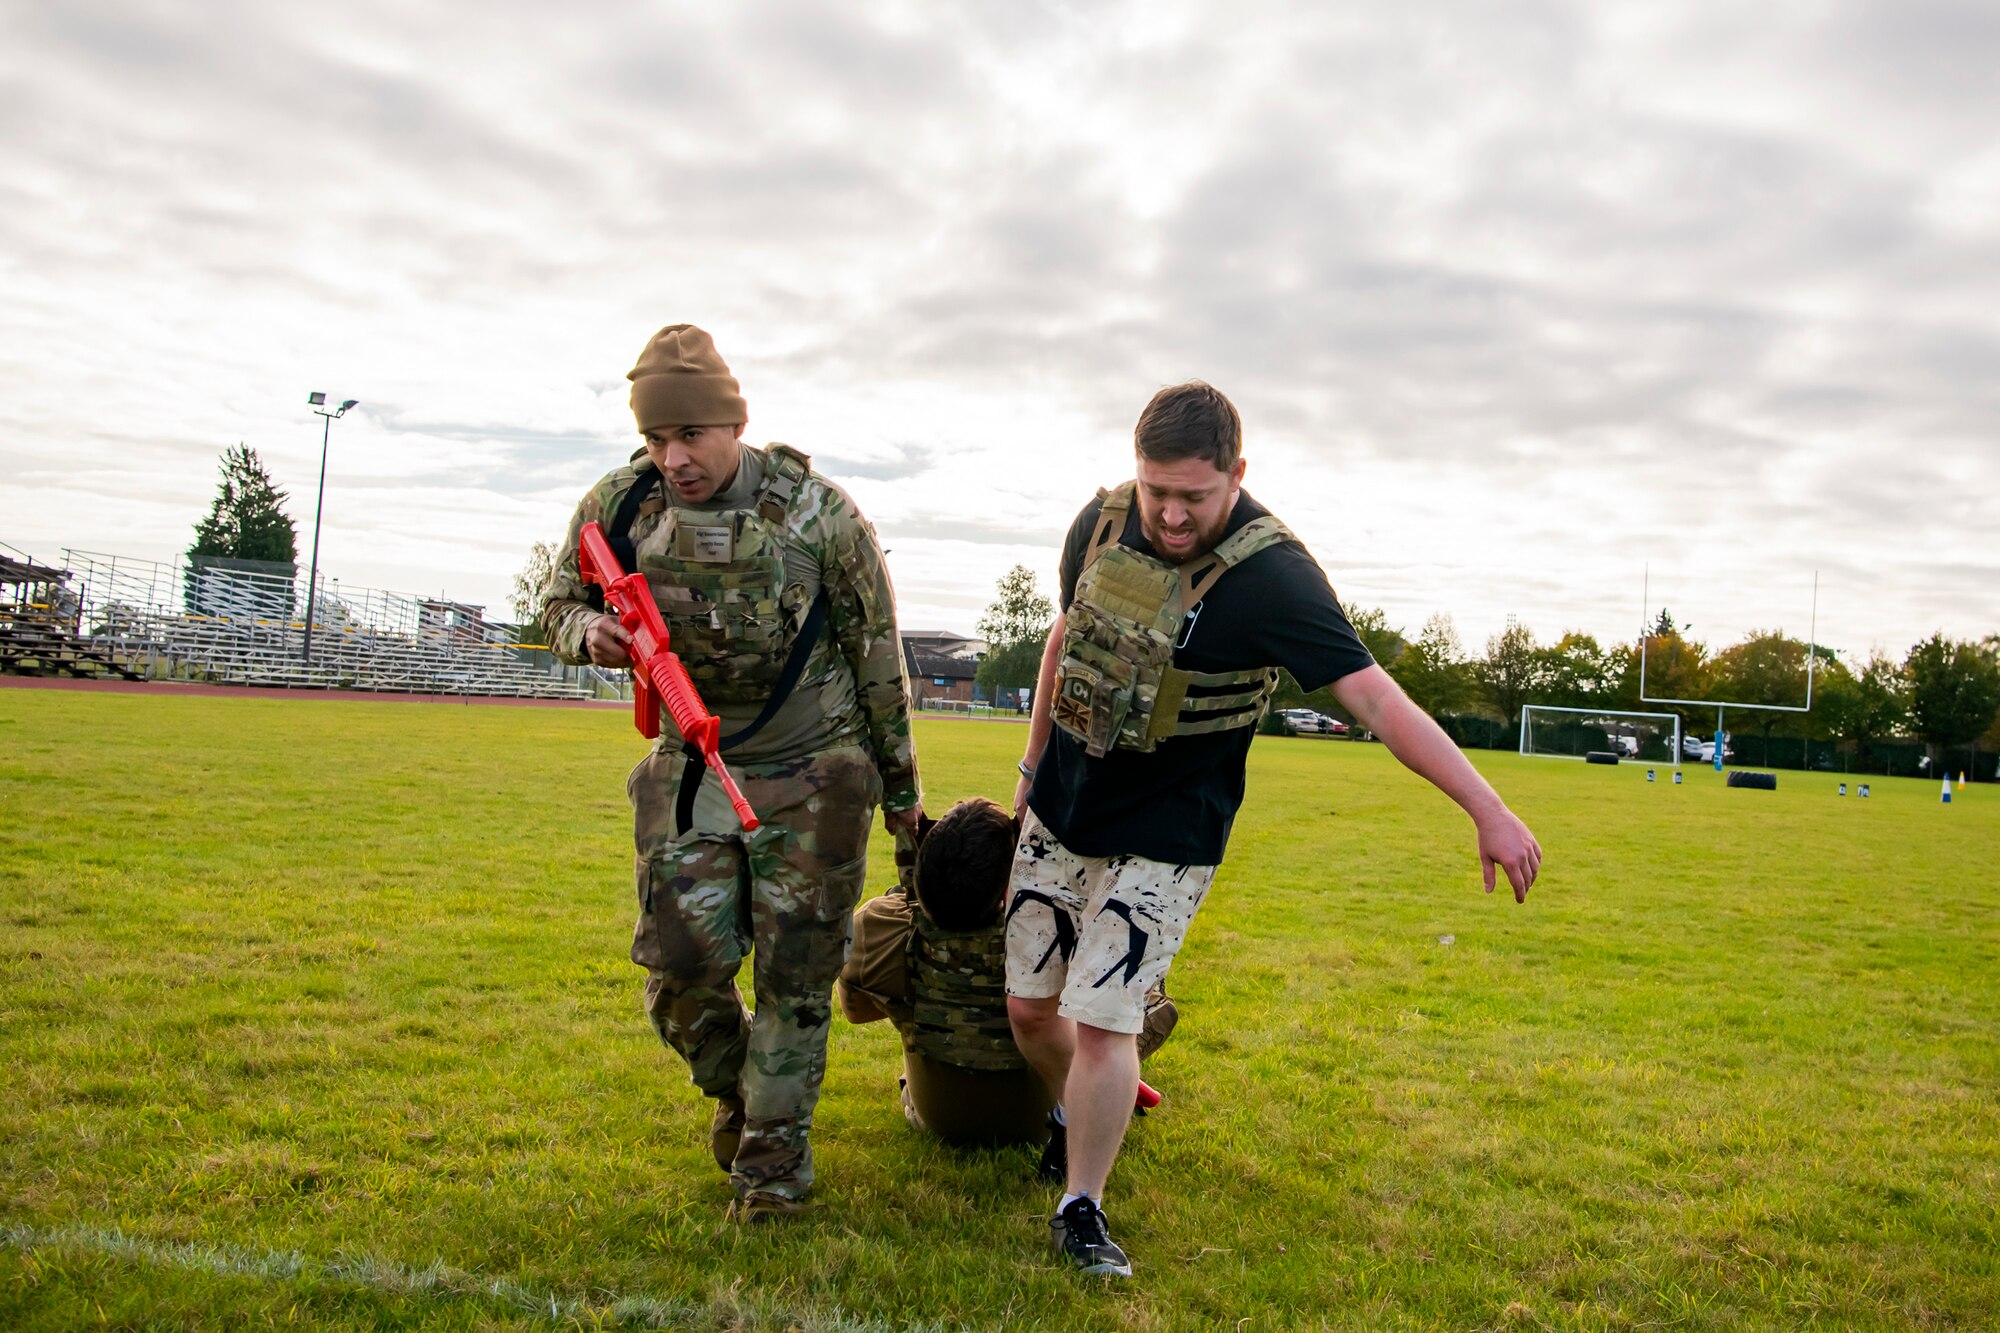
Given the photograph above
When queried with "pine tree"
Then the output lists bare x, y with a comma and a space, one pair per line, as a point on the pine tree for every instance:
247, 521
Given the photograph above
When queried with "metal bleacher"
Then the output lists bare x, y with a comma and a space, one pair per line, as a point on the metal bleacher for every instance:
209, 622
38, 626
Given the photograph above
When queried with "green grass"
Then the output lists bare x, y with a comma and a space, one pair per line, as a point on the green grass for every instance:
320, 1013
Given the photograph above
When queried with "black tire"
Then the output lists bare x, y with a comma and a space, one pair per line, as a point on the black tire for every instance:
1754, 781
1601, 757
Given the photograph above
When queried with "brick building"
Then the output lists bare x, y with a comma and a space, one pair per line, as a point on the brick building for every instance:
941, 665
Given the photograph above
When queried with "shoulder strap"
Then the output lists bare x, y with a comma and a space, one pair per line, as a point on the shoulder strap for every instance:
1116, 503
619, 538
785, 470
1198, 576
788, 679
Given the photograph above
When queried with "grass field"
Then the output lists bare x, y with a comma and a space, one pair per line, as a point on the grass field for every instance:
319, 1014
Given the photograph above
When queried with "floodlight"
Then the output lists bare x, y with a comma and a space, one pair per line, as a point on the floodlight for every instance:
317, 400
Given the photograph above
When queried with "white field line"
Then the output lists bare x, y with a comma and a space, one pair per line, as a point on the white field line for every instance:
436, 1281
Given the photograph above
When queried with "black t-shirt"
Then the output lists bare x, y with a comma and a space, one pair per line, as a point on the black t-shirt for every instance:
1176, 804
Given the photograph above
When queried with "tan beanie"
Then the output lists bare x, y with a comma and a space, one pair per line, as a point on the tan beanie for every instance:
681, 380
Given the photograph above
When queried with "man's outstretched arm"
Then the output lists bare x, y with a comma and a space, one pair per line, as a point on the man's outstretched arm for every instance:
1040, 718
1380, 705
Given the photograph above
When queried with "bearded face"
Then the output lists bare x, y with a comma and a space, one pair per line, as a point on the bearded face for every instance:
1184, 505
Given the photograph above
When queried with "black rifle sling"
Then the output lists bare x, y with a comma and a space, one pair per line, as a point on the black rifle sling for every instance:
788, 679
619, 538
691, 776
795, 666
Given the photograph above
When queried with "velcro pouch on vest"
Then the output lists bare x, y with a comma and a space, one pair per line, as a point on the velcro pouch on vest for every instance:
1223, 701
1166, 715
1090, 706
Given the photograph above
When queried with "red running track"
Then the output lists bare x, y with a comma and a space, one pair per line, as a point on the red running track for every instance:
281, 692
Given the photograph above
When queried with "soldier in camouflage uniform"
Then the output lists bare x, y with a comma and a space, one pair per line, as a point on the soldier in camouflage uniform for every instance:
774, 591
930, 955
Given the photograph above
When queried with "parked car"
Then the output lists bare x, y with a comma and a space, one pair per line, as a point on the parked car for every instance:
1703, 748
1307, 722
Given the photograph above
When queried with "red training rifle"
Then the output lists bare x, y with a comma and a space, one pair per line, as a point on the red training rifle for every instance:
657, 672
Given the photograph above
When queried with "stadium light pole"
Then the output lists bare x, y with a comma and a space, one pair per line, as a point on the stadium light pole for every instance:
318, 401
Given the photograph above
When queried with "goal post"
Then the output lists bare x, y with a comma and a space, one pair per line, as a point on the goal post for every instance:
1550, 731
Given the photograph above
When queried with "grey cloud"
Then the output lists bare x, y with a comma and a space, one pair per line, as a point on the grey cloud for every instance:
981, 532
837, 49
1430, 235
909, 460
1919, 50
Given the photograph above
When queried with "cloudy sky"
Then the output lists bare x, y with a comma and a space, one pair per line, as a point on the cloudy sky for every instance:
1516, 298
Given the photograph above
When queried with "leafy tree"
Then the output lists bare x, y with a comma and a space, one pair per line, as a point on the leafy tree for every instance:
1015, 627
1954, 690
1858, 708
1511, 672
1990, 742
1371, 626
1768, 667
1676, 668
530, 585
1432, 671
247, 520
1577, 673
1019, 612
1886, 696
1013, 667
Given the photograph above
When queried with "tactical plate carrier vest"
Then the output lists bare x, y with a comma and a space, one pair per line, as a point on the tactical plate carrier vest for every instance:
719, 578
1118, 685
958, 993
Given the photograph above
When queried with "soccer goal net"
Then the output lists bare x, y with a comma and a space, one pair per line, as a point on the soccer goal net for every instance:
1572, 733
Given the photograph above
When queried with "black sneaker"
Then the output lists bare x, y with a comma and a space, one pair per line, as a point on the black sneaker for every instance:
1055, 1153
1081, 1235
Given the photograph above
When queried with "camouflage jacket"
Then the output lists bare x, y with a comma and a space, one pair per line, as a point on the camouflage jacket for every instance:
853, 690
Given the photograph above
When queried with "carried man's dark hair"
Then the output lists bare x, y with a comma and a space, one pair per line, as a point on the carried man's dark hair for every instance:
963, 865
1192, 420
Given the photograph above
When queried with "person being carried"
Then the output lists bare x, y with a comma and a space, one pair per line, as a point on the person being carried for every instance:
1181, 597
929, 956
776, 598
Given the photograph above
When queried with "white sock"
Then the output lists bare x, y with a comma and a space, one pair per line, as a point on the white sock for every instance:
1066, 1201
1057, 1115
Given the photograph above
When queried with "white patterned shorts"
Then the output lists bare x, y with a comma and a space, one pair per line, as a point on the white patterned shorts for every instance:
1097, 930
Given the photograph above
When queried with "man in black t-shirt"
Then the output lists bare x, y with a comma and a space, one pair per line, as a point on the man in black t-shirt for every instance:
1181, 597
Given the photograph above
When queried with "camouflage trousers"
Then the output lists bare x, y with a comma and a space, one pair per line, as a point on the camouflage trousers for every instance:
710, 893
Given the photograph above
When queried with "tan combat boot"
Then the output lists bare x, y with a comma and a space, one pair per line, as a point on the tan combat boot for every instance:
758, 1207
